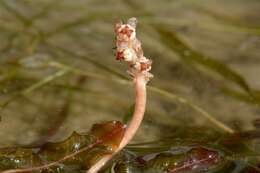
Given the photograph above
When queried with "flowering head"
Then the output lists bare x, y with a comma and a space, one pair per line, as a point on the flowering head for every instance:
128, 49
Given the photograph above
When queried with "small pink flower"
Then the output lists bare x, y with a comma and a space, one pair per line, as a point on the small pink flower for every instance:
146, 66
126, 30
119, 55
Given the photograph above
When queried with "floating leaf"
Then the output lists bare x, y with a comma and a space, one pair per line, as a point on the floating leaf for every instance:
102, 130
17, 158
79, 151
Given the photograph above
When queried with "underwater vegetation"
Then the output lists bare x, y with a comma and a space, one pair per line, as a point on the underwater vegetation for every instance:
59, 77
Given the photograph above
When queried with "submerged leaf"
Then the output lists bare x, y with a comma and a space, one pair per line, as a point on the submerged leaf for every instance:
171, 40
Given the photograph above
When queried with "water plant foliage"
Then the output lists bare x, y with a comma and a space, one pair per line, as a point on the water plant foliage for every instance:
58, 77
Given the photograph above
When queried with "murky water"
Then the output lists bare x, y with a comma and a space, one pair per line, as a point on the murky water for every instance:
205, 64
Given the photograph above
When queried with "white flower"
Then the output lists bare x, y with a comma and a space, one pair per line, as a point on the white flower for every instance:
129, 55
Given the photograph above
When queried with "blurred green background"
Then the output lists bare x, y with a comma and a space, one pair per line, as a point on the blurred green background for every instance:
58, 73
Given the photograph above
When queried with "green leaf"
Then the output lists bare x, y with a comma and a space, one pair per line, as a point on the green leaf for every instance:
79, 151
171, 40
253, 98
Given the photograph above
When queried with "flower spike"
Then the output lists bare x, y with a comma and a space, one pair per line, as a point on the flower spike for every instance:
128, 49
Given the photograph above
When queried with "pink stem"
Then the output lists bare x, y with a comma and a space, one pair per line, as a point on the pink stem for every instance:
134, 124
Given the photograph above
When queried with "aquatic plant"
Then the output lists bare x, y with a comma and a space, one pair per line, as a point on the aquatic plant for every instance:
128, 49
81, 81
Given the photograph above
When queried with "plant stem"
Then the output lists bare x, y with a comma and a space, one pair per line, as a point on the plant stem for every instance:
133, 125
